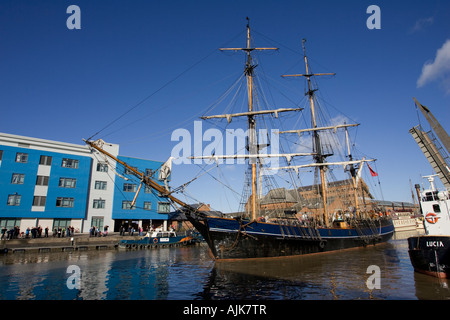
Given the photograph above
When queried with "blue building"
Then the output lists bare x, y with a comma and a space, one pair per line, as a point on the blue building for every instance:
55, 184
149, 207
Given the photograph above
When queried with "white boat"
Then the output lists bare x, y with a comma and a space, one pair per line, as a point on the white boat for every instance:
404, 221
157, 237
430, 253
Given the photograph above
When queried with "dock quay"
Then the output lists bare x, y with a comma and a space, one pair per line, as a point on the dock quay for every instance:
77, 242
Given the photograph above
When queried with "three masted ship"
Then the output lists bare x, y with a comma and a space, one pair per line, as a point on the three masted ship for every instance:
253, 235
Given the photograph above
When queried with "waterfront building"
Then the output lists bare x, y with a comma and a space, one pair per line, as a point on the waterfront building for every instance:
56, 184
307, 199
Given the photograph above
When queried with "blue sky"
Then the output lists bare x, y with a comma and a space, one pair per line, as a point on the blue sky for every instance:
66, 85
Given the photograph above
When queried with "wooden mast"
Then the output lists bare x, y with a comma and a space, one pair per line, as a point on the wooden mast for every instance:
252, 141
320, 157
353, 175
197, 221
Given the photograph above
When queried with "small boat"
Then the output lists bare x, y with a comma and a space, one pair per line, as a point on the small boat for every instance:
404, 221
157, 237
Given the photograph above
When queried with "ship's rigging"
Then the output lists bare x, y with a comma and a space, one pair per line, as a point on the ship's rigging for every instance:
246, 234
254, 147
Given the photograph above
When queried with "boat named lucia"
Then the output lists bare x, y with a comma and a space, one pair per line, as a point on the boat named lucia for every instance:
430, 253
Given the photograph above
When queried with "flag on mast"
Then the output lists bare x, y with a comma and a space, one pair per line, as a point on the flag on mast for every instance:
373, 173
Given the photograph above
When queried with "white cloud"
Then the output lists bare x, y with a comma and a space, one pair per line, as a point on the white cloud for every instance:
422, 23
439, 69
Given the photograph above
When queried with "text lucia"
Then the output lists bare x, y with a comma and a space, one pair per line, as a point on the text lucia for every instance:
435, 244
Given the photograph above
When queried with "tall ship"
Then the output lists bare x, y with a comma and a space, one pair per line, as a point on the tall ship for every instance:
275, 221
430, 253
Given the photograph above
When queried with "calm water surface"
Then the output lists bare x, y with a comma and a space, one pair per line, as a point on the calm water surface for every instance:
188, 273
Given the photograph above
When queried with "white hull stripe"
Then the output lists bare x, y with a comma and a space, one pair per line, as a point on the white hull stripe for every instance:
292, 236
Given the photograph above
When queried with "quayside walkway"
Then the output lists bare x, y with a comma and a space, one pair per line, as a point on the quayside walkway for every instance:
75, 242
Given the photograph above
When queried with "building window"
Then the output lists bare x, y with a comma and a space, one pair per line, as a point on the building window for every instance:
102, 167
1, 155
42, 180
126, 205
39, 201
97, 222
9, 223
129, 187
69, 163
129, 171
149, 172
99, 204
67, 182
64, 202
148, 189
100, 185
147, 205
22, 157
61, 223
46, 160
14, 200
163, 207
17, 178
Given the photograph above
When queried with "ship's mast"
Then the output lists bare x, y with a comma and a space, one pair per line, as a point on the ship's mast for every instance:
318, 148
353, 175
319, 157
252, 138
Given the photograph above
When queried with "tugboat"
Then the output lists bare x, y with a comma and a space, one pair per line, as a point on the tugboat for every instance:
430, 253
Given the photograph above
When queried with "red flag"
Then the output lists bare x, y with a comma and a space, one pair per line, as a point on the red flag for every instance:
373, 173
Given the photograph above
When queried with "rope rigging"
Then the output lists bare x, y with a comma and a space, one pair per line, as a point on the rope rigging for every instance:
261, 100
139, 103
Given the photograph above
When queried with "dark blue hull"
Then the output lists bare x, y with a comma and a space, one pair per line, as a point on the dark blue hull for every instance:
240, 239
430, 255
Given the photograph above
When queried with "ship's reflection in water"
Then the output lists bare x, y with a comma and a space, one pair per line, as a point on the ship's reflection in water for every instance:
189, 273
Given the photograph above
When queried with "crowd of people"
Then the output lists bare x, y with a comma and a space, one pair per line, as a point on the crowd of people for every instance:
36, 232
61, 232
96, 232
130, 230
